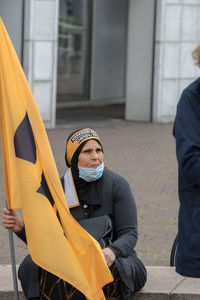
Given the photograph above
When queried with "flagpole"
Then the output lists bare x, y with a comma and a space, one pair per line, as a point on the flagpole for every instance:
14, 274
12, 256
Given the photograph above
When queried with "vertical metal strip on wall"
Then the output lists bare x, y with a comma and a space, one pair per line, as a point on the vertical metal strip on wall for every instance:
153, 60
22, 34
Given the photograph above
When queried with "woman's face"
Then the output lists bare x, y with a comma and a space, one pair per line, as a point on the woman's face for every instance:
91, 156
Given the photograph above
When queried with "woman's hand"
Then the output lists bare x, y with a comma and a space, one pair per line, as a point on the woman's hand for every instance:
12, 220
109, 256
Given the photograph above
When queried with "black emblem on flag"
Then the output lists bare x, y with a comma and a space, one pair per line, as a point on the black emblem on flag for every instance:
44, 190
24, 141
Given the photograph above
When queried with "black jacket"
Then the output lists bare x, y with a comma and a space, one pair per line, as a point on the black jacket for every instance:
118, 203
187, 136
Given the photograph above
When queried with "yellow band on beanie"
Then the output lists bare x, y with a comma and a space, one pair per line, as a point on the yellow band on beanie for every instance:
77, 139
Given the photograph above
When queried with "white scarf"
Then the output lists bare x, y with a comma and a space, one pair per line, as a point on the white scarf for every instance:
70, 190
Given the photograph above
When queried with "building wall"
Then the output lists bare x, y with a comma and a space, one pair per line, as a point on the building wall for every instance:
40, 54
140, 45
11, 13
177, 35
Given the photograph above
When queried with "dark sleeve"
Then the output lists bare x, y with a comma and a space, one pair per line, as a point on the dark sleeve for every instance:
22, 235
125, 219
187, 136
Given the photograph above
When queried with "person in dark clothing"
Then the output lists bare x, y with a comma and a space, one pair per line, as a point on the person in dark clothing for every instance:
91, 191
187, 136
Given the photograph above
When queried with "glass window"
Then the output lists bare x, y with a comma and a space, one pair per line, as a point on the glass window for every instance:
73, 51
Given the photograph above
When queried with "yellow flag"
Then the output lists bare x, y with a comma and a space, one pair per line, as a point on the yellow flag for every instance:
32, 184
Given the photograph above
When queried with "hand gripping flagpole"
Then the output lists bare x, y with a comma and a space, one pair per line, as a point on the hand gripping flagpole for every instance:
12, 256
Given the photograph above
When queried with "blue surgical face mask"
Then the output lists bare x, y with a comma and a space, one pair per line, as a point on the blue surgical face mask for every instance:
91, 174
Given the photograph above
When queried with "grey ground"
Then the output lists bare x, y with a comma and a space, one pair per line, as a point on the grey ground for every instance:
144, 153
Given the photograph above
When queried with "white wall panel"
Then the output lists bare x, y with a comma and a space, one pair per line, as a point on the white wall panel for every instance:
40, 54
42, 94
189, 29
43, 61
173, 22
171, 60
174, 67
44, 20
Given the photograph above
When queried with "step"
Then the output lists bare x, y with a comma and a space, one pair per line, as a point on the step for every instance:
162, 283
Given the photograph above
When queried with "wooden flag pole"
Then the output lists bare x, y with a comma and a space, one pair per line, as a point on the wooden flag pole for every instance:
12, 256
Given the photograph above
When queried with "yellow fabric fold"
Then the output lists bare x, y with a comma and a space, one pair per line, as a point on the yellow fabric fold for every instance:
32, 184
